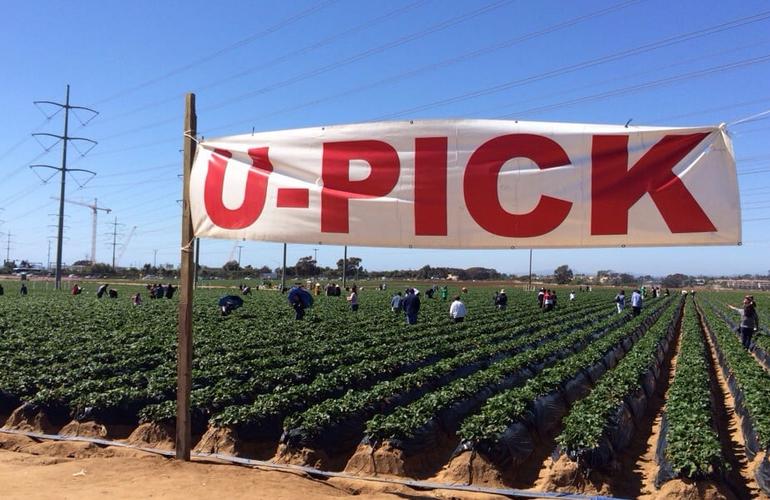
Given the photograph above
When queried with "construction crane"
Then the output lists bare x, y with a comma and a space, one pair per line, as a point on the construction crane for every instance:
125, 245
94, 209
231, 257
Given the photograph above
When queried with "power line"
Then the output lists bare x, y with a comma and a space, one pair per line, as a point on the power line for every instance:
331, 66
240, 43
442, 64
666, 42
642, 86
616, 79
262, 66
453, 21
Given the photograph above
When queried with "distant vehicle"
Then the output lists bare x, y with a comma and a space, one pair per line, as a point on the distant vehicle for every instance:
150, 277
26, 270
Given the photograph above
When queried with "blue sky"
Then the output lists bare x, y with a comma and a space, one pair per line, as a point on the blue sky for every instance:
275, 65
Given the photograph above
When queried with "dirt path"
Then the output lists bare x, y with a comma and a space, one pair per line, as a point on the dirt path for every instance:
635, 477
85, 471
740, 476
633, 473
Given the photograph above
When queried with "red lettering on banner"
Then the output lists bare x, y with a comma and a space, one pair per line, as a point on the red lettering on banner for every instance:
615, 188
337, 186
292, 198
480, 186
430, 164
255, 193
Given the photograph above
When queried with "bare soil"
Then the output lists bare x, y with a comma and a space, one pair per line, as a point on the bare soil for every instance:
741, 474
32, 469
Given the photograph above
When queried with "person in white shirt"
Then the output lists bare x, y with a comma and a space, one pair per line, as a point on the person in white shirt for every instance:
353, 298
457, 310
636, 302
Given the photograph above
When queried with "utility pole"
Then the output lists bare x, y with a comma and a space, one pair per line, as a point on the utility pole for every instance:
283, 270
63, 169
155, 258
345, 268
315, 255
8, 248
529, 287
114, 240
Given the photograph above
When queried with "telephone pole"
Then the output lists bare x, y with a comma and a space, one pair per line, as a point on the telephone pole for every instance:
8, 248
114, 243
65, 138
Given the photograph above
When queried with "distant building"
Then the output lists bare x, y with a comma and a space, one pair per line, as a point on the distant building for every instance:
746, 284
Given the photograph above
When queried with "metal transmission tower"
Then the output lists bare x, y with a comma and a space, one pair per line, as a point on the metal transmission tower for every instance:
94, 209
114, 243
63, 168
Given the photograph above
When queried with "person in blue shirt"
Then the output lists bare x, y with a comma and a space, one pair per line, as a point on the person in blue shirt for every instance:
395, 302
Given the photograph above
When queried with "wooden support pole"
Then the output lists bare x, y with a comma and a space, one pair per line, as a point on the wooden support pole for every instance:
197, 261
187, 276
283, 270
529, 284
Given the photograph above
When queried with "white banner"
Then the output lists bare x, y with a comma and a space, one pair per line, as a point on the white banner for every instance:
470, 184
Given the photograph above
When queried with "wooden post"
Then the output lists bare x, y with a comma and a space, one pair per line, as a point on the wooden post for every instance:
529, 285
197, 261
186, 274
283, 270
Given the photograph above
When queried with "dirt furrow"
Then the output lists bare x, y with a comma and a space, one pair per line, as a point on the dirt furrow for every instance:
740, 477
636, 471
632, 475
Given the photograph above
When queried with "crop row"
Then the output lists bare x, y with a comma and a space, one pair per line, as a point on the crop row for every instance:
402, 360
602, 424
748, 382
503, 424
688, 446
398, 353
480, 368
459, 398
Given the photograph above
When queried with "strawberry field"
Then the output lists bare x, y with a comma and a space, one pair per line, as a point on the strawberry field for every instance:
578, 399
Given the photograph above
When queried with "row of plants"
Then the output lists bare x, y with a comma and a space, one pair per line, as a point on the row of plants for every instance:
689, 447
491, 328
519, 406
105, 358
407, 422
497, 363
597, 426
748, 383
271, 407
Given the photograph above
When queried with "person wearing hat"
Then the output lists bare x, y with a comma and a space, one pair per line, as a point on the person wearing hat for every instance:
501, 300
749, 320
